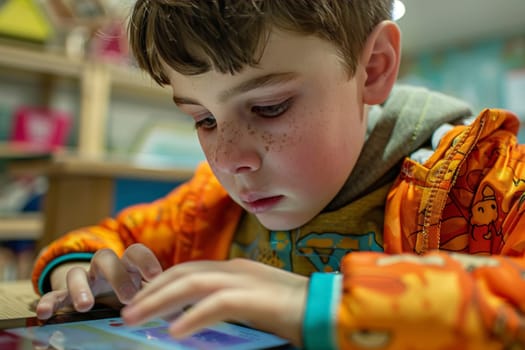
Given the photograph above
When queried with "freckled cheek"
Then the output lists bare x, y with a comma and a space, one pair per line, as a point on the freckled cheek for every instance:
295, 146
275, 142
289, 134
312, 143
218, 144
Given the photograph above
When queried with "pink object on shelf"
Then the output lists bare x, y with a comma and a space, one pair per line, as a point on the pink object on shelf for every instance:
40, 127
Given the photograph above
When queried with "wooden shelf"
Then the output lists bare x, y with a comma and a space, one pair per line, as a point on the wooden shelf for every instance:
69, 163
13, 150
86, 171
39, 61
98, 80
115, 167
23, 226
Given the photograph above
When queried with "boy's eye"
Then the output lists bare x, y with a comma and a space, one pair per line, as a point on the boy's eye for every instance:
206, 123
273, 110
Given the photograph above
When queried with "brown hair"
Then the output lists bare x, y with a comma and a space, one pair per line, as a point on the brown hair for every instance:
196, 36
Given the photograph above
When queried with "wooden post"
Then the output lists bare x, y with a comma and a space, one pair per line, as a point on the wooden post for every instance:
95, 96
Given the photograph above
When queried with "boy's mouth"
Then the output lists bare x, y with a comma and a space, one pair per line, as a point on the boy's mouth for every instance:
262, 205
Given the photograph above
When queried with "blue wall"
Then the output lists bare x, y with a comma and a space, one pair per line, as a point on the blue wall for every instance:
479, 73
131, 191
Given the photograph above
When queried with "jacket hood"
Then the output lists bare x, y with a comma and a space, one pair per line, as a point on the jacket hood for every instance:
397, 128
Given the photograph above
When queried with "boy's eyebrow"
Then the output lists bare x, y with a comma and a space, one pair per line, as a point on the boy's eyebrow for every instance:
257, 82
251, 84
184, 101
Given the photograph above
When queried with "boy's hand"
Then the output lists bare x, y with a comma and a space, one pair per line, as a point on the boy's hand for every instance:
237, 290
110, 279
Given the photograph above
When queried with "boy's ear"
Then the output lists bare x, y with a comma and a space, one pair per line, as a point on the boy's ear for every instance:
381, 58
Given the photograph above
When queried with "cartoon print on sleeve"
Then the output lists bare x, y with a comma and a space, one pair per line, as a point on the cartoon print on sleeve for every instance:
485, 214
473, 216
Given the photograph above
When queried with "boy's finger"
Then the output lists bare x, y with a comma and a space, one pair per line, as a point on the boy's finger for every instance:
141, 259
79, 289
182, 270
107, 267
177, 295
51, 302
229, 304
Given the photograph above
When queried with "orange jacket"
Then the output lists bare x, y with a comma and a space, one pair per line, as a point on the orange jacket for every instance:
448, 215
467, 198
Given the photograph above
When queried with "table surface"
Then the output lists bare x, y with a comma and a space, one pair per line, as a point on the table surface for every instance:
17, 299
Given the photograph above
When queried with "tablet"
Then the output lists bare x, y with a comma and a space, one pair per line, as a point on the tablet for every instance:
104, 329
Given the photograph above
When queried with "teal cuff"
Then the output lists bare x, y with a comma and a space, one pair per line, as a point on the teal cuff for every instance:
44, 284
324, 294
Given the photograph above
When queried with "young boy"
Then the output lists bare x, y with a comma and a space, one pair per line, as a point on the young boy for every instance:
366, 213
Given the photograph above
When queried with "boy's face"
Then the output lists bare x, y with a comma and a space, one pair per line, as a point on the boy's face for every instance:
283, 137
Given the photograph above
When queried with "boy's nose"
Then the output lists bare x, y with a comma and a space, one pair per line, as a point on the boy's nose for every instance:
236, 153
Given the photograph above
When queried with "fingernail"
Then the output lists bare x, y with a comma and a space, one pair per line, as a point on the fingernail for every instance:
81, 300
83, 297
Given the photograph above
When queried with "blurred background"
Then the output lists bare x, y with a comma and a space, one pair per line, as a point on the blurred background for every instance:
473, 49
84, 134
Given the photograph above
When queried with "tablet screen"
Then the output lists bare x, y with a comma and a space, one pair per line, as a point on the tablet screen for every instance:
111, 333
